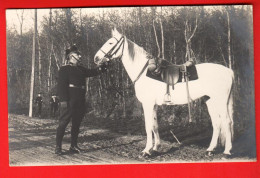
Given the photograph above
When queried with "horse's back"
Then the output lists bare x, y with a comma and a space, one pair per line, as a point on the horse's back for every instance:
212, 66
216, 80
214, 71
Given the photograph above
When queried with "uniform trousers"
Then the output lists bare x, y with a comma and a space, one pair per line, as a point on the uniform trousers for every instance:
54, 108
74, 112
39, 109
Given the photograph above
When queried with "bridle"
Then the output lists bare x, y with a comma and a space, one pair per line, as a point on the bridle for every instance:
115, 48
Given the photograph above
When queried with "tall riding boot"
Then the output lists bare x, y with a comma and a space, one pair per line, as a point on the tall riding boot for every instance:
59, 137
74, 148
74, 144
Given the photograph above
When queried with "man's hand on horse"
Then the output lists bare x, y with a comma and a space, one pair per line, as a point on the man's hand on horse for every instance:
189, 63
104, 66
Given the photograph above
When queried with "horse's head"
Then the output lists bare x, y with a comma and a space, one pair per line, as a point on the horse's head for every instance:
112, 49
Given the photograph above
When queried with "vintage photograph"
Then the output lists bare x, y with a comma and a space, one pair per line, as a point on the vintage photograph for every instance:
130, 85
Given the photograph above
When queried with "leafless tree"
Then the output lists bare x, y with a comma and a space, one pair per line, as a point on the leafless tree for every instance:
33, 63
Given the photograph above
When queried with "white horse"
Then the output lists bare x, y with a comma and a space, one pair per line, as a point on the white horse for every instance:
214, 81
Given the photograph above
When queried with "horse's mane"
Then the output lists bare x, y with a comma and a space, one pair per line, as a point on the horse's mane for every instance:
134, 49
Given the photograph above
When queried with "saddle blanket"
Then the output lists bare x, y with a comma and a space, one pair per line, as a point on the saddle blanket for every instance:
191, 71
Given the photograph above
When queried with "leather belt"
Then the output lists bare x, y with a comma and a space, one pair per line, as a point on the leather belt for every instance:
74, 86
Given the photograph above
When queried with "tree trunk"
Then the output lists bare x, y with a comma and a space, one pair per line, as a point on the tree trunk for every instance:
189, 33
69, 24
49, 69
229, 41
156, 39
40, 64
33, 63
162, 34
174, 52
56, 59
123, 92
153, 12
21, 22
50, 54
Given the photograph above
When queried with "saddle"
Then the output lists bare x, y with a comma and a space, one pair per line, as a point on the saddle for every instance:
165, 71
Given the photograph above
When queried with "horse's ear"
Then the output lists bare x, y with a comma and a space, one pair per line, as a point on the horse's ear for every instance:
114, 31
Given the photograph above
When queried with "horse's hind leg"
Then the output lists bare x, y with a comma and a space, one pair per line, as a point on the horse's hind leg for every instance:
157, 143
227, 124
149, 125
222, 125
228, 127
225, 129
215, 119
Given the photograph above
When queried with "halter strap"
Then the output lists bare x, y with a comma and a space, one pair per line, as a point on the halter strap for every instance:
102, 51
112, 47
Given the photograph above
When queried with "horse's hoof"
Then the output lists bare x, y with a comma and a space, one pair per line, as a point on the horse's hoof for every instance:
145, 155
155, 148
155, 153
227, 153
226, 156
209, 153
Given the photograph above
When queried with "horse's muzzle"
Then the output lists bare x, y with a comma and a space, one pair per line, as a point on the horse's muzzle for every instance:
97, 60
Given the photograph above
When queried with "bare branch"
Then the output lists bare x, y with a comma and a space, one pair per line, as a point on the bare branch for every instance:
156, 39
160, 20
20, 21
56, 59
194, 30
185, 30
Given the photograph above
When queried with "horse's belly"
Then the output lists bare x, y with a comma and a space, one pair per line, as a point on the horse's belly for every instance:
181, 93
149, 90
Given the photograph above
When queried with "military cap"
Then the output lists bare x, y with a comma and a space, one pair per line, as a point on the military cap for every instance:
73, 48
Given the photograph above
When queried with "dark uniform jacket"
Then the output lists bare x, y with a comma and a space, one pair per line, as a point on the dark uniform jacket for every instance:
54, 101
38, 100
74, 76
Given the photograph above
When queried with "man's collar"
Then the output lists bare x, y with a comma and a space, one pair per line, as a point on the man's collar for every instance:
71, 64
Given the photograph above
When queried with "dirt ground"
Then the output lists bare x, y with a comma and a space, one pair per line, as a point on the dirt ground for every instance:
32, 143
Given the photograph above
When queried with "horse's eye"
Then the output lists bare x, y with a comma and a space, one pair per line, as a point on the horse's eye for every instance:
110, 43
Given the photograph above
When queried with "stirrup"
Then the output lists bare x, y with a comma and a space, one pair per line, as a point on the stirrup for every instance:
167, 99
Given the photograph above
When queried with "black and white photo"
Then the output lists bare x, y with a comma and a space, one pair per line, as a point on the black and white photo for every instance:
130, 85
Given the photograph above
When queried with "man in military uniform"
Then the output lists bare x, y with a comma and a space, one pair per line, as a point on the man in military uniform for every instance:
38, 102
54, 102
71, 91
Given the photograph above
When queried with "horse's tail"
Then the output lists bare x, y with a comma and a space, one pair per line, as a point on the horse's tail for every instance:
229, 118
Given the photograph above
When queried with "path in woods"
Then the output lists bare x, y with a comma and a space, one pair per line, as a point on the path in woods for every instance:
32, 142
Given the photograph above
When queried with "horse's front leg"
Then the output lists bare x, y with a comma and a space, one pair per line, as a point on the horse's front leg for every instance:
149, 124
